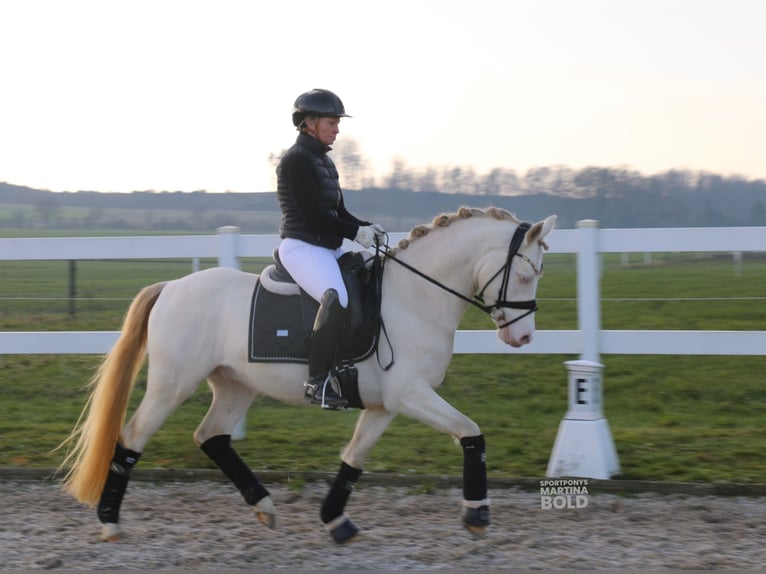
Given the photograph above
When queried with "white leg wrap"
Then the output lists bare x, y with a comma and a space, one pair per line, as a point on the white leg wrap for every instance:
111, 532
333, 524
476, 503
265, 512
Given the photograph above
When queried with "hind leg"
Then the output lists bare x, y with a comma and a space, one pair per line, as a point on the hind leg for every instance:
231, 400
157, 404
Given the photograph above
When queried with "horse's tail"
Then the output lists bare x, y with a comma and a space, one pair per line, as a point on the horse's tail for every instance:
97, 433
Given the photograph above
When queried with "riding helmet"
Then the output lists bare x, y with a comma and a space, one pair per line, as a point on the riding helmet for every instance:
322, 103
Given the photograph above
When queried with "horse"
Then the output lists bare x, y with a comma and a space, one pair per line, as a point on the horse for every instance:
195, 328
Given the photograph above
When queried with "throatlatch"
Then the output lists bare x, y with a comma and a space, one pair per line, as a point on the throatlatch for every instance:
116, 484
220, 451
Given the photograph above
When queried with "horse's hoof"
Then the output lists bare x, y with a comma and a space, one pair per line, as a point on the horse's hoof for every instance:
476, 520
111, 532
265, 513
476, 531
342, 530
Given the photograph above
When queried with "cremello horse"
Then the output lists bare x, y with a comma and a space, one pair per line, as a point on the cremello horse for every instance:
196, 328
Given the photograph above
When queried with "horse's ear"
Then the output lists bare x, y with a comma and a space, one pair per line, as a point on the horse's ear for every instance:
540, 229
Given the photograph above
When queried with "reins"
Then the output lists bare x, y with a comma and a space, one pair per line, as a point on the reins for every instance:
478, 299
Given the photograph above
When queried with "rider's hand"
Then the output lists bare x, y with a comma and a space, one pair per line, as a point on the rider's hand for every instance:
365, 236
380, 233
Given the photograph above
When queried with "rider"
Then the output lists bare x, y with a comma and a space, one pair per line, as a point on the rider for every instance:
314, 223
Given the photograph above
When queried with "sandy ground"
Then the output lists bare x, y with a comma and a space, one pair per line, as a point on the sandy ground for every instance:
206, 526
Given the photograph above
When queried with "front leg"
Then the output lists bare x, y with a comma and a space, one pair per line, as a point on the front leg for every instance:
332, 515
428, 407
369, 428
475, 513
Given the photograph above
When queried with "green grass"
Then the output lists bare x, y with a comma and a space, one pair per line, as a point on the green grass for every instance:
672, 418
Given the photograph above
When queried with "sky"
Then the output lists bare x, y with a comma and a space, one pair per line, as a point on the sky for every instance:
184, 95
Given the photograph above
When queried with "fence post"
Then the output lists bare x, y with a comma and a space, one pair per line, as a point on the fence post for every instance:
584, 445
228, 241
589, 289
228, 256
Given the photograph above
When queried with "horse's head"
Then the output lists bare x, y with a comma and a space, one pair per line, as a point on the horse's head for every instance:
509, 282
493, 262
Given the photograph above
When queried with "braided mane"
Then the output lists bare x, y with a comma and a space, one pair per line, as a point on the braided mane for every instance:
445, 219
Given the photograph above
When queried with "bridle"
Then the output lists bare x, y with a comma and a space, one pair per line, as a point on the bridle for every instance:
513, 251
478, 299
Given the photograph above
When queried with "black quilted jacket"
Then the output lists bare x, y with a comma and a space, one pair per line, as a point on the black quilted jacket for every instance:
310, 197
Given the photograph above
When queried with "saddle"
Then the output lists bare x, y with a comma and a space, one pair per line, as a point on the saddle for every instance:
282, 318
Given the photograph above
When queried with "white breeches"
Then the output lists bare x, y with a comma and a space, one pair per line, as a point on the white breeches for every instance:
314, 268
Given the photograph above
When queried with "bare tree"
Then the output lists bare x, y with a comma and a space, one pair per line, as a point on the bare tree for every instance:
350, 163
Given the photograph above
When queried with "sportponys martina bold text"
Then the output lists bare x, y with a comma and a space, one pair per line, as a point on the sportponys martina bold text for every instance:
563, 493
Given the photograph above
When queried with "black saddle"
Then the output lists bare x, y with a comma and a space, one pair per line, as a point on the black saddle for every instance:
282, 317
280, 274
355, 276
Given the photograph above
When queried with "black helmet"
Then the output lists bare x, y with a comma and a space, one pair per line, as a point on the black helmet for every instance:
322, 103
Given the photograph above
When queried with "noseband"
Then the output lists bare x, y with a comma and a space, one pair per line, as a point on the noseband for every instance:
478, 299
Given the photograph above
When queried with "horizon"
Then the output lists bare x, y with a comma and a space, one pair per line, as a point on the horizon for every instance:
729, 177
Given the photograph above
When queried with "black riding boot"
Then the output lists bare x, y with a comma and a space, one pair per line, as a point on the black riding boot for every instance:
324, 340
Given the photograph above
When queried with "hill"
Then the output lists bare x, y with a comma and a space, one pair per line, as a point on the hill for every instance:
616, 198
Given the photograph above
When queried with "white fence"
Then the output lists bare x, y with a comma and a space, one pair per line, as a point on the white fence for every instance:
587, 241
584, 445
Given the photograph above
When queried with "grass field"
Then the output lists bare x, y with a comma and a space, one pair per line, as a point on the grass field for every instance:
672, 418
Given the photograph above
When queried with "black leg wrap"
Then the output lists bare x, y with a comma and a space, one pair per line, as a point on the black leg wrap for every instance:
116, 484
340, 490
474, 468
220, 451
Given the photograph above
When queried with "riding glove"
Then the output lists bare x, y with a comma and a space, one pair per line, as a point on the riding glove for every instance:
380, 233
365, 236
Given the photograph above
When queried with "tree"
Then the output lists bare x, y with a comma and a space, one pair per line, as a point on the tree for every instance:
400, 176
500, 182
48, 210
536, 180
351, 164
426, 181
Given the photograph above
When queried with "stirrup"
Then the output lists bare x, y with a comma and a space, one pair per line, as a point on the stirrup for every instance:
326, 396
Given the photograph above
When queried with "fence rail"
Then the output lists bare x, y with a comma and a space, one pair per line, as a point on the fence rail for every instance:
583, 446
587, 241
